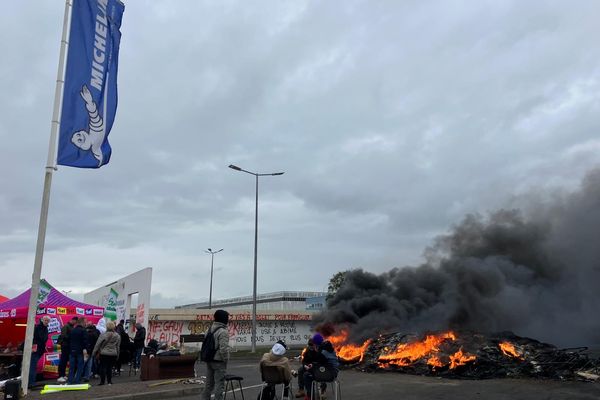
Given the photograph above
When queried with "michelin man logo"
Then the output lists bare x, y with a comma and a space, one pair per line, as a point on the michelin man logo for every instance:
92, 138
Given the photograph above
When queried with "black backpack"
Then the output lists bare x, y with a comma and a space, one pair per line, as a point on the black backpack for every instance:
209, 347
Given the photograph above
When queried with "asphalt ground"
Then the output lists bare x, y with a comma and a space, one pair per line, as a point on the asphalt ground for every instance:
354, 385
357, 385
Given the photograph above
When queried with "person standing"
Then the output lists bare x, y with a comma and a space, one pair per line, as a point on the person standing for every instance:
89, 366
138, 343
78, 343
101, 325
107, 349
65, 351
120, 328
216, 368
126, 350
40, 337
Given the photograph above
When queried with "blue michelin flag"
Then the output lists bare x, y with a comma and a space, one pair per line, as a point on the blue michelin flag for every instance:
90, 90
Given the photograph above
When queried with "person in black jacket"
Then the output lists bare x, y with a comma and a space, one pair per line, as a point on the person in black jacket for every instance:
120, 329
138, 343
78, 342
152, 347
40, 337
65, 352
125, 351
304, 359
89, 367
313, 357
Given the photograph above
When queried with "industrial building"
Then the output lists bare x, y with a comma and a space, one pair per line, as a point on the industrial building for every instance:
275, 301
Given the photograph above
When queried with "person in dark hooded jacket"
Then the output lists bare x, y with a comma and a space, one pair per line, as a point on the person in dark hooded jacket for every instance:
138, 342
40, 337
125, 351
89, 367
305, 359
78, 347
65, 351
324, 355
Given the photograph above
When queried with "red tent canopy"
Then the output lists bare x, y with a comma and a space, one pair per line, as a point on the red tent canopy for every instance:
51, 302
3, 299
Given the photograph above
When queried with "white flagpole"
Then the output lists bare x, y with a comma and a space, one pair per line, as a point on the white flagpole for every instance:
50, 168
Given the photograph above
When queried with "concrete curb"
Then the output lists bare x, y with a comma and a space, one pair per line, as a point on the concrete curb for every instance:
157, 394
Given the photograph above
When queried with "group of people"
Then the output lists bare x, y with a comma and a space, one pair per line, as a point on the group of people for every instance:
130, 350
87, 349
319, 352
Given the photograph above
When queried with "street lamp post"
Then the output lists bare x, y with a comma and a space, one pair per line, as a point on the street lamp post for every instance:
212, 259
256, 175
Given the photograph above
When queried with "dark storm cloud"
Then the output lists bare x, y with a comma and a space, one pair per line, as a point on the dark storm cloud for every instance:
535, 274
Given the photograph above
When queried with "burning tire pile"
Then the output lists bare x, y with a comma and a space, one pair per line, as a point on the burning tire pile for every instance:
467, 355
533, 271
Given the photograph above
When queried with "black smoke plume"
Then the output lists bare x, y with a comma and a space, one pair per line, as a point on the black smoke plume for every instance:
535, 272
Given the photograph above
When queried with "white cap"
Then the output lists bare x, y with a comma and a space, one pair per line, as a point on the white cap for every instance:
278, 349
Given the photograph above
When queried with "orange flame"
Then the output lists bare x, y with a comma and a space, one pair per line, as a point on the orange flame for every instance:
407, 353
459, 358
510, 350
348, 351
435, 362
404, 354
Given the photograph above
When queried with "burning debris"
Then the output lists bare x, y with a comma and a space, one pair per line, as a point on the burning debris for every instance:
466, 355
533, 271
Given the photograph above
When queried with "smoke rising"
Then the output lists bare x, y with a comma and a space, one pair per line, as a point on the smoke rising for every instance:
534, 272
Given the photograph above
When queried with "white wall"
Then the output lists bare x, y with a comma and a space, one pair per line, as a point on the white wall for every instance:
294, 329
139, 282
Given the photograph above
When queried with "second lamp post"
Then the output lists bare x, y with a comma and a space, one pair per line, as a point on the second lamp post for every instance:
212, 259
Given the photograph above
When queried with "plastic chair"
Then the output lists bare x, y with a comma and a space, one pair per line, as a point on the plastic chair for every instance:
273, 376
325, 374
229, 379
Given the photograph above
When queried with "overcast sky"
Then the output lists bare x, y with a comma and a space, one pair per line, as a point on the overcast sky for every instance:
391, 120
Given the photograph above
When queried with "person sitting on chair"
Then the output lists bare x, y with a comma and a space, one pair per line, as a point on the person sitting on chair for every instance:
308, 354
275, 358
323, 354
163, 347
152, 348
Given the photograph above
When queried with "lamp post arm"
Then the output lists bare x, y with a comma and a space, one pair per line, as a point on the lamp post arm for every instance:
249, 172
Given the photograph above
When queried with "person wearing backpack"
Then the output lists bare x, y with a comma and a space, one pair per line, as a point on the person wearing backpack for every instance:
215, 353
